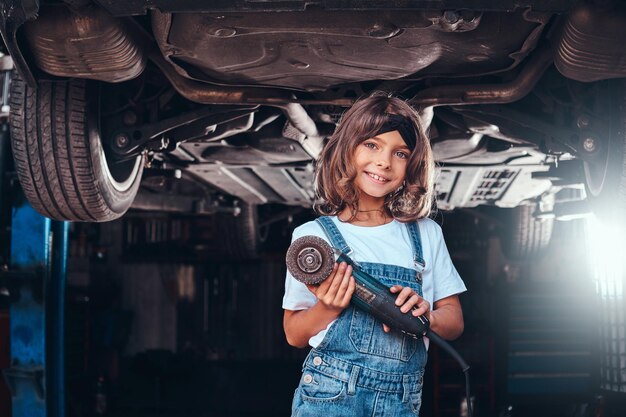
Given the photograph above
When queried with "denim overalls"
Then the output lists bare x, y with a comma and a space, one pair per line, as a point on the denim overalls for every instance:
358, 369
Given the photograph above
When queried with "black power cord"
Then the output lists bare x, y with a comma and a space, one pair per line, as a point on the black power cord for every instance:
435, 338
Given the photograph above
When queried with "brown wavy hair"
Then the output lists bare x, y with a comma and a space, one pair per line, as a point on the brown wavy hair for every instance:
335, 170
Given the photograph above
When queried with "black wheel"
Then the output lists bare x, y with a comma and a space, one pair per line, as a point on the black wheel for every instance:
524, 236
59, 157
605, 176
240, 234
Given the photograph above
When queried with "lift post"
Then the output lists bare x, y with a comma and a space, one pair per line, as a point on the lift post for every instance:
34, 278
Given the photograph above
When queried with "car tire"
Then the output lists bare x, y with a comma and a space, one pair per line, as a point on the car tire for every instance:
605, 177
240, 233
59, 158
525, 237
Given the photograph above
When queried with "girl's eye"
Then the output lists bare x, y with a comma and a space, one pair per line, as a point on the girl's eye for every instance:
370, 145
402, 155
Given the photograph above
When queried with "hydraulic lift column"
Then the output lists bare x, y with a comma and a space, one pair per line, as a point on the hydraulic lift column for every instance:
35, 278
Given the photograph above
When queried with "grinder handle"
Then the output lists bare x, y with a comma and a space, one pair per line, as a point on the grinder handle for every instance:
375, 298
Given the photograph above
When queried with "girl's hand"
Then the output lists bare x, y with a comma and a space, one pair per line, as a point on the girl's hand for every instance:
409, 300
335, 292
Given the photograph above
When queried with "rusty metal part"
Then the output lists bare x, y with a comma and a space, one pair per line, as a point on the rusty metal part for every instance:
591, 44
204, 93
490, 93
92, 44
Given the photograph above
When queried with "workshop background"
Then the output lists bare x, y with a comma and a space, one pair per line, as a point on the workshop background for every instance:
161, 319
205, 118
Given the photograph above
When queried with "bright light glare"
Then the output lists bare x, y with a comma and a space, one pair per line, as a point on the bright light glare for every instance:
607, 254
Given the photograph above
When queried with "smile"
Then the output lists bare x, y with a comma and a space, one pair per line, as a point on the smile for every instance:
377, 178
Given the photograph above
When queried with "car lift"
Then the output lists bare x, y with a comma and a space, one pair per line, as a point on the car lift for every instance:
33, 261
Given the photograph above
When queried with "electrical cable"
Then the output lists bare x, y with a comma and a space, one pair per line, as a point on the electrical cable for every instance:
439, 341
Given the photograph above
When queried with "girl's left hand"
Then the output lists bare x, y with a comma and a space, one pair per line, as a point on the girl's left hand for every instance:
409, 300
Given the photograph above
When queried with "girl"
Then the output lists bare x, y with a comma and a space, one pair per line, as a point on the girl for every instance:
375, 182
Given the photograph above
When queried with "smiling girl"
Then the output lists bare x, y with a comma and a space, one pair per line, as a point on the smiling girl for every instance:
374, 180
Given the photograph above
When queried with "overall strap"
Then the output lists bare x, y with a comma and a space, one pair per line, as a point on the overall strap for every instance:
416, 242
333, 234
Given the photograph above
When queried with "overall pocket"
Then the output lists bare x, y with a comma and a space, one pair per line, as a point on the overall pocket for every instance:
319, 388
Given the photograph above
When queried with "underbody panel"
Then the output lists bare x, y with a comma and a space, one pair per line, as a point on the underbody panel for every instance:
316, 50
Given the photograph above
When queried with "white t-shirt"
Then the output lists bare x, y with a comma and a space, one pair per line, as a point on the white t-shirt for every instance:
386, 244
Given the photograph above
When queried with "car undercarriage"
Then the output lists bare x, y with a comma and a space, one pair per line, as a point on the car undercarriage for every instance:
202, 108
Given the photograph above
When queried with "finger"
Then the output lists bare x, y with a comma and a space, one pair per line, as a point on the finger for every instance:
349, 291
410, 303
332, 282
338, 278
386, 328
422, 308
343, 287
404, 294
395, 288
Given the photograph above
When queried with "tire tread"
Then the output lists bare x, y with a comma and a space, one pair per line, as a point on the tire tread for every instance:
52, 151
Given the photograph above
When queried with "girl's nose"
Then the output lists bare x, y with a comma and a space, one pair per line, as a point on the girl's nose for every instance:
383, 163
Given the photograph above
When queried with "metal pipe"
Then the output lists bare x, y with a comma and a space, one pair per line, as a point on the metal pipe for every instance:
312, 141
204, 93
491, 93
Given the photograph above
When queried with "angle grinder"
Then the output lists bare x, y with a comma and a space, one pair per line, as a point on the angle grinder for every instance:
310, 259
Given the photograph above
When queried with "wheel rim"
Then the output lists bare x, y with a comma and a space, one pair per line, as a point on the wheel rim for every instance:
122, 175
131, 175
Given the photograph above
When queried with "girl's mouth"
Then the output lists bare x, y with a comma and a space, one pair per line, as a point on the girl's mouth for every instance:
377, 178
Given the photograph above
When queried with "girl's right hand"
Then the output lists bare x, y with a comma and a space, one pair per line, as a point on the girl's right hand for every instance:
335, 291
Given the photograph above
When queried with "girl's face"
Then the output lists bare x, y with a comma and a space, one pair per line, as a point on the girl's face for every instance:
381, 166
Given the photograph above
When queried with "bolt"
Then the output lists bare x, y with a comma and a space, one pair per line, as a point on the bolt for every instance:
121, 140
383, 31
583, 121
450, 16
589, 144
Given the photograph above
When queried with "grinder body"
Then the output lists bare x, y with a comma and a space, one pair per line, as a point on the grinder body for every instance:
310, 260
374, 297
